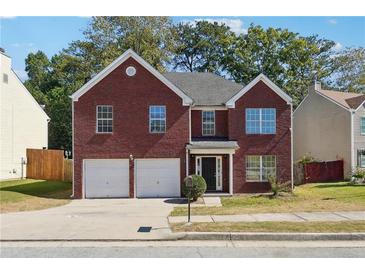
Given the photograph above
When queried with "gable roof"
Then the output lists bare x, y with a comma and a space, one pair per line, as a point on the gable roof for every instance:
348, 100
206, 89
117, 62
231, 102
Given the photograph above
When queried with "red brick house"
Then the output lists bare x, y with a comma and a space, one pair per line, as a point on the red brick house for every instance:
138, 133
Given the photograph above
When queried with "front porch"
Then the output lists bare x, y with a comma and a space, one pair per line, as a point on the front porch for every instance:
213, 160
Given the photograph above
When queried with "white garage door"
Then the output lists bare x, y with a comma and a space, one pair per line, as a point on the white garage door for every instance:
158, 177
106, 178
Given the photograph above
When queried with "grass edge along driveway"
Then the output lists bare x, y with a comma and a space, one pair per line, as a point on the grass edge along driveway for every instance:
340, 196
30, 194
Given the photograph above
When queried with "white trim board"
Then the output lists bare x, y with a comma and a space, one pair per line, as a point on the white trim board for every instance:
117, 62
231, 102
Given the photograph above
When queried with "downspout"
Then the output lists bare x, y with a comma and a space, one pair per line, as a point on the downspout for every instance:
352, 113
292, 147
73, 155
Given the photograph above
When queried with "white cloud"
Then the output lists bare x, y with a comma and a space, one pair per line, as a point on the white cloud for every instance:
337, 46
236, 25
7, 17
332, 21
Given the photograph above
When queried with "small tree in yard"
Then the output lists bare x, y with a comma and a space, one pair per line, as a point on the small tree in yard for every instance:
198, 188
278, 186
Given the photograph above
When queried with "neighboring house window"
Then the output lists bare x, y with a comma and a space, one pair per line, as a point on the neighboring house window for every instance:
260, 120
208, 123
361, 158
260, 167
362, 125
5, 78
157, 119
104, 121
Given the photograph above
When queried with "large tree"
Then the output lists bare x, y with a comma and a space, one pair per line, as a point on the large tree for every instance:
291, 61
349, 70
108, 37
202, 46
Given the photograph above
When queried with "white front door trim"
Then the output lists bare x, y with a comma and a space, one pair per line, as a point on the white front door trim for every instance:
218, 169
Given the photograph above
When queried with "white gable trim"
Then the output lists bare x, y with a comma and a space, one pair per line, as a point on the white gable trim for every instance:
360, 106
130, 53
231, 102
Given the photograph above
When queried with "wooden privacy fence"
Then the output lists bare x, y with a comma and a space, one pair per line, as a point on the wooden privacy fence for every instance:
323, 171
48, 164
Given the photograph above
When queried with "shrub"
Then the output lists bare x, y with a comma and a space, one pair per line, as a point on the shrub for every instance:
358, 175
277, 186
198, 189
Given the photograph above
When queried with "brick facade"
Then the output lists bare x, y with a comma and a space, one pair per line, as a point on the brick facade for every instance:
279, 144
221, 123
130, 98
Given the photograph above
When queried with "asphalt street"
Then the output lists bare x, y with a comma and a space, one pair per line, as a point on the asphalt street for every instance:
184, 249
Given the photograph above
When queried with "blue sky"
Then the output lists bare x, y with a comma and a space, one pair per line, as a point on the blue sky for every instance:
22, 35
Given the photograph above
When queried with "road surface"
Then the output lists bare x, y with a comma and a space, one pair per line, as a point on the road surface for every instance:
184, 249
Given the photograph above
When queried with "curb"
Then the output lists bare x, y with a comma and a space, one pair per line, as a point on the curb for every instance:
228, 236
222, 236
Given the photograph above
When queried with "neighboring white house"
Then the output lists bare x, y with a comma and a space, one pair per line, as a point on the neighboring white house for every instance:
330, 125
23, 122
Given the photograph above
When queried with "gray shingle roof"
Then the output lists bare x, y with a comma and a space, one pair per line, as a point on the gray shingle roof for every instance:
206, 89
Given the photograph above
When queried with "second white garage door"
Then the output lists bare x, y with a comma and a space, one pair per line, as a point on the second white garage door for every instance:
158, 177
106, 178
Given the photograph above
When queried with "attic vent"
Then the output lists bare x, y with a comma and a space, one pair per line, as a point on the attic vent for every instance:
131, 71
5, 78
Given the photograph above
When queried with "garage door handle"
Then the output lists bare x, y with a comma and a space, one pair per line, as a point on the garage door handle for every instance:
158, 182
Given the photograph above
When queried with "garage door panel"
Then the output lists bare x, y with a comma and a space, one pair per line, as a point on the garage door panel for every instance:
106, 178
158, 177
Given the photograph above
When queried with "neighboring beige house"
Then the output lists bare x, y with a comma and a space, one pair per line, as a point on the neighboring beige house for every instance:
330, 125
23, 122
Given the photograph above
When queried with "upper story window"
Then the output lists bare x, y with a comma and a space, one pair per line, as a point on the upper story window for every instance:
260, 120
259, 168
208, 123
362, 126
157, 119
104, 119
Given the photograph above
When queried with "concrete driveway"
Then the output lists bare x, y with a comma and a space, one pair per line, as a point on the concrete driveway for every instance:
97, 219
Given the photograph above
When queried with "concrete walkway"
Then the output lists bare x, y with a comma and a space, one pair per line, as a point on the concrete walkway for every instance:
276, 217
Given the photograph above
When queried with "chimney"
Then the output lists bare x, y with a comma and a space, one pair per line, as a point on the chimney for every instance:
316, 86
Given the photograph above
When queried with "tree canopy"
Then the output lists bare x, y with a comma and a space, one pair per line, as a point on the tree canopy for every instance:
290, 60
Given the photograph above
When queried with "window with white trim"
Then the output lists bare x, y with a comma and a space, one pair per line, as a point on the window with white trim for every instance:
157, 119
208, 122
104, 119
260, 167
361, 158
362, 126
260, 120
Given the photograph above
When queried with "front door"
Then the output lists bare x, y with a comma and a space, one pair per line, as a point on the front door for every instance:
209, 172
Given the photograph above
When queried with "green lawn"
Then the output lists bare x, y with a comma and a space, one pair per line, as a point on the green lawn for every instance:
22, 195
333, 227
340, 196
